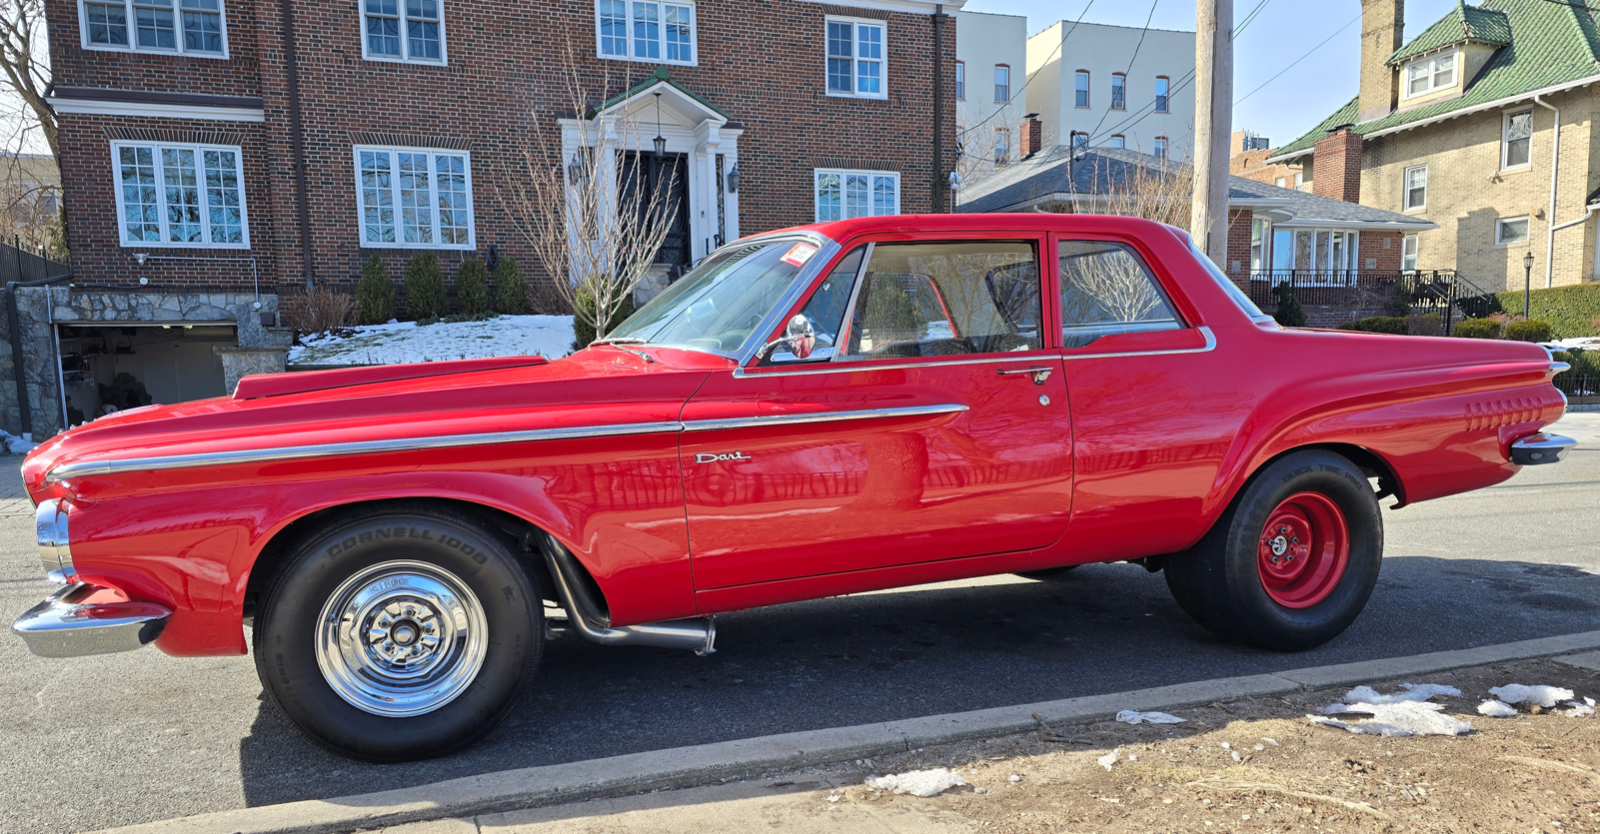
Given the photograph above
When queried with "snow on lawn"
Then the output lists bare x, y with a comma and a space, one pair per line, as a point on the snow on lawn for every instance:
399, 343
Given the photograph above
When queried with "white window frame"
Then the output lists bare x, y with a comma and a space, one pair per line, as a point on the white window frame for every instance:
1405, 188
1499, 229
1410, 247
1119, 101
433, 196
961, 81
205, 213
1117, 140
856, 59
872, 176
997, 69
1505, 139
1088, 89
1163, 100
1002, 146
661, 21
1432, 63
405, 38
133, 27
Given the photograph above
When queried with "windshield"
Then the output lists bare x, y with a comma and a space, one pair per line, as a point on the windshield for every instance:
716, 305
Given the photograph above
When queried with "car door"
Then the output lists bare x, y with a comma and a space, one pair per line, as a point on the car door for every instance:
929, 423
1153, 415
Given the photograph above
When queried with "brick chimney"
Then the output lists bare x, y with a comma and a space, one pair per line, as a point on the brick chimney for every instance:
1032, 135
1383, 25
1336, 163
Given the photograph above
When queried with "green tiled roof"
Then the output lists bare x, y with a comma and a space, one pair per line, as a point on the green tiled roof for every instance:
1463, 23
661, 74
1551, 44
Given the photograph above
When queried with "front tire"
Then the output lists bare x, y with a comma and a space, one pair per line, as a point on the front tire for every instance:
1292, 562
399, 633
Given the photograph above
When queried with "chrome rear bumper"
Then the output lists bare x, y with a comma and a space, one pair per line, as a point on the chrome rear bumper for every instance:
1540, 448
61, 627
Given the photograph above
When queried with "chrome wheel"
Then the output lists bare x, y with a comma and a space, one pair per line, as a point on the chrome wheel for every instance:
401, 638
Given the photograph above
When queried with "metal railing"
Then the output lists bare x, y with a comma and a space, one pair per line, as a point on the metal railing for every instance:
20, 264
1370, 292
1578, 385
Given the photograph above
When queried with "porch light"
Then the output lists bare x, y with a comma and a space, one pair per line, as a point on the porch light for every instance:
1527, 261
575, 170
661, 141
733, 179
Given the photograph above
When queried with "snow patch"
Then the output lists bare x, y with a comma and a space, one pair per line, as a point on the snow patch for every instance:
919, 782
1496, 709
1409, 692
1537, 695
1406, 718
18, 445
1579, 710
1129, 716
398, 343
1108, 759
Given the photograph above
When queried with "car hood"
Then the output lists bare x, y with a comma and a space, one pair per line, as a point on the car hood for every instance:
595, 387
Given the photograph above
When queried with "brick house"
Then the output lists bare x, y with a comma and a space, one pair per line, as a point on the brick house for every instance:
1460, 126
1248, 155
219, 155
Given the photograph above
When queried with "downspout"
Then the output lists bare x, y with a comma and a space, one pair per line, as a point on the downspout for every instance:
1550, 221
296, 144
938, 108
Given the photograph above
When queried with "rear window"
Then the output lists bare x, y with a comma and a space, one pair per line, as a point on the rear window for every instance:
1232, 289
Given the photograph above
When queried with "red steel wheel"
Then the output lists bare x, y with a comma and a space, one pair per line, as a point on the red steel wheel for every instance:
1304, 548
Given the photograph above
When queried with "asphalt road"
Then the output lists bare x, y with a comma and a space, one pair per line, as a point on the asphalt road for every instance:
114, 740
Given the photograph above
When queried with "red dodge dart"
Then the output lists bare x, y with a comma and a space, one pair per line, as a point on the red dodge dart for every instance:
823, 410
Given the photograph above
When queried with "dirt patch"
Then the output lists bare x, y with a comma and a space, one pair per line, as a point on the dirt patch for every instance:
1260, 765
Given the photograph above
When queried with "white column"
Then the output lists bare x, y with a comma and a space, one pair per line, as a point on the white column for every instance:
703, 212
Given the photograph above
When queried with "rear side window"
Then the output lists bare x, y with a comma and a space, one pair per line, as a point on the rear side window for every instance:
1106, 288
947, 299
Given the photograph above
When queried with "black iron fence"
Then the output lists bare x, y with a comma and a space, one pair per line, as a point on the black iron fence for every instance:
1578, 385
1442, 292
22, 263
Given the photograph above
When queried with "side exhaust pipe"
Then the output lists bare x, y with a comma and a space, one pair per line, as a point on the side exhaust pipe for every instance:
589, 617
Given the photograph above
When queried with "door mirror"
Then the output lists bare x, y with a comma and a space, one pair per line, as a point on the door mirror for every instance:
799, 337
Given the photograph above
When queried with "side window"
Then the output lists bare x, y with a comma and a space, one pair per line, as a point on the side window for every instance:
1106, 288
825, 311
946, 299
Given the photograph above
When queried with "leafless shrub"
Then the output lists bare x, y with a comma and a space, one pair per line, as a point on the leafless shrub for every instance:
318, 311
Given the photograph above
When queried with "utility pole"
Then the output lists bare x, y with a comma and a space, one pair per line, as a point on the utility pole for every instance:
1213, 122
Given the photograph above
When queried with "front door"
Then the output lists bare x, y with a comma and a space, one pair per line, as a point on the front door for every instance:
669, 172
929, 423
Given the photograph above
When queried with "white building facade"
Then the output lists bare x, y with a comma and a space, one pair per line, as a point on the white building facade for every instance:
991, 67
1098, 85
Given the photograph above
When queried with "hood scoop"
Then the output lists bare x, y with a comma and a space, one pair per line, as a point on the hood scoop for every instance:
277, 385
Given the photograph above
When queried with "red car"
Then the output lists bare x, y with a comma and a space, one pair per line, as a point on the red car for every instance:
825, 410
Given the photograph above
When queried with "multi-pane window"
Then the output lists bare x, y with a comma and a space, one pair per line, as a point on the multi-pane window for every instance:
1325, 256
1408, 253
183, 27
645, 30
1082, 90
414, 198
856, 58
1002, 146
1106, 288
1427, 75
842, 195
180, 195
1119, 91
1516, 140
1002, 83
1162, 84
403, 30
1416, 187
1161, 152
1511, 230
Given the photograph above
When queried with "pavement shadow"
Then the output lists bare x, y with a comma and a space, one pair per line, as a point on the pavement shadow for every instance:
924, 651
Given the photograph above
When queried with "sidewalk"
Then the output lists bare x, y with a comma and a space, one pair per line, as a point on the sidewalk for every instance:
1252, 765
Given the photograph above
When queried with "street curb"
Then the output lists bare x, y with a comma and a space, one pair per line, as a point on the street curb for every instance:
679, 767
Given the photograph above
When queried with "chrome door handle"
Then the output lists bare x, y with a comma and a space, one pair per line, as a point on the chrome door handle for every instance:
1040, 375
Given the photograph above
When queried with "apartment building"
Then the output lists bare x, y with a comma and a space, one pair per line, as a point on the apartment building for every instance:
991, 69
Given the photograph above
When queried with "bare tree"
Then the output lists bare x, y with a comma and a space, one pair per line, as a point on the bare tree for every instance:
596, 218
29, 182
26, 64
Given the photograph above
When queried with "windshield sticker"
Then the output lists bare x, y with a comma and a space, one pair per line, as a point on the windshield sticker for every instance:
798, 255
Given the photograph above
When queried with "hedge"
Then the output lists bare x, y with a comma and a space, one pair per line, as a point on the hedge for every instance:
1378, 324
1477, 329
1571, 311
1528, 331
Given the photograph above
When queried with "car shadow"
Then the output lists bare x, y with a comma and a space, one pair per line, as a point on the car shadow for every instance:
923, 651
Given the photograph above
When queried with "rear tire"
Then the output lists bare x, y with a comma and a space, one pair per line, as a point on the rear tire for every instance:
1291, 564
399, 633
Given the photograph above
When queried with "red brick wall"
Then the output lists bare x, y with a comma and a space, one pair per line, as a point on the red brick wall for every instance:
1239, 221
1337, 161
1382, 249
760, 61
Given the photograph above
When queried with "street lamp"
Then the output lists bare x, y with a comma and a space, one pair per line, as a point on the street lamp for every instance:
1527, 281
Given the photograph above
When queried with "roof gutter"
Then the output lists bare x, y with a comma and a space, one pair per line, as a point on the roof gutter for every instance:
1550, 222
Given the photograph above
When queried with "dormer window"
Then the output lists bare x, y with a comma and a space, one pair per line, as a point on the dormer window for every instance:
1430, 74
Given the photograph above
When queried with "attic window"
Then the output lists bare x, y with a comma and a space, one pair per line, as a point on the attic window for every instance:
1430, 74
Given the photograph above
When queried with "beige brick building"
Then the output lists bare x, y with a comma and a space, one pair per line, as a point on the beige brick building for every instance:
1458, 127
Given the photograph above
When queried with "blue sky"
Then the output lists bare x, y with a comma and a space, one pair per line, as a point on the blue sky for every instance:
1280, 34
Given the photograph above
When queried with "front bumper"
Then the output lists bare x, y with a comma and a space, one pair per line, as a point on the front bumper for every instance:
1540, 448
70, 624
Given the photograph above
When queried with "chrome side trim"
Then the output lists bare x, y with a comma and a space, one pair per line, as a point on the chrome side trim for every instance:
1210, 345
825, 417
364, 447
1540, 448
62, 627
55, 542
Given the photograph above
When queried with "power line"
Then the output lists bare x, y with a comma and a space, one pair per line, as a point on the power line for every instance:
1239, 101
1035, 73
1135, 57
1239, 29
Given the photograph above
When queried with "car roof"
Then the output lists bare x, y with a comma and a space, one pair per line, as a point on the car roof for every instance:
841, 230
